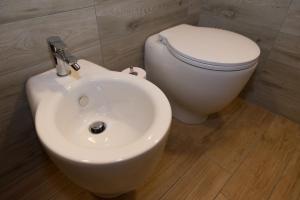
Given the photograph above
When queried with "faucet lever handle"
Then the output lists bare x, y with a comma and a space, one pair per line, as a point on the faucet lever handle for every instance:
69, 58
56, 43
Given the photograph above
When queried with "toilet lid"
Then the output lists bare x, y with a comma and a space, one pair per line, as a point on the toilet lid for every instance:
211, 48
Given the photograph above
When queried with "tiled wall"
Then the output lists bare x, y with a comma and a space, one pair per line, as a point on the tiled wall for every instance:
275, 26
107, 32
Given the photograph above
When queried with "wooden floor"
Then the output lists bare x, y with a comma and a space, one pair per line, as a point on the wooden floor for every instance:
245, 152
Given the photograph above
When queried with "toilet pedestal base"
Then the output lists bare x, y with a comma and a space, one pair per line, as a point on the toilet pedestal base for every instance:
186, 116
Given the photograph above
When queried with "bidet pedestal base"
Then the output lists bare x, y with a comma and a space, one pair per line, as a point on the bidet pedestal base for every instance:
186, 116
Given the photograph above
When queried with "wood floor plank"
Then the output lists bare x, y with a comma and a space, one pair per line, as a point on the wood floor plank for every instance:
203, 181
69, 192
289, 185
259, 173
27, 179
221, 197
239, 138
183, 149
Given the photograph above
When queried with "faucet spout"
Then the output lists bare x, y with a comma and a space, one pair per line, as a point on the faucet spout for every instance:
62, 58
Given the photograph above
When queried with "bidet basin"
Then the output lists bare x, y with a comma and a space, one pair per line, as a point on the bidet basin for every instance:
105, 130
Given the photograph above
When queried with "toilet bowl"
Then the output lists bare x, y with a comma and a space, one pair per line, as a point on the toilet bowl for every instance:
200, 69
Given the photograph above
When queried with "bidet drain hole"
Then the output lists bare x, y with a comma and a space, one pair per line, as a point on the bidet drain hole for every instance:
97, 127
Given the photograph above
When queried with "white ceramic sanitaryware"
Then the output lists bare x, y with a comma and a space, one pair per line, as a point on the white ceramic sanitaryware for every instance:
200, 69
137, 116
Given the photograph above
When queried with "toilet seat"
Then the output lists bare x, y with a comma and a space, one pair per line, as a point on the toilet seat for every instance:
211, 48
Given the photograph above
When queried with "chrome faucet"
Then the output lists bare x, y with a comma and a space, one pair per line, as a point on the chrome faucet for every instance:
62, 58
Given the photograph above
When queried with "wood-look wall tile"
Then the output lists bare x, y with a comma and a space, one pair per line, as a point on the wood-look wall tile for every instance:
194, 11
295, 5
125, 25
277, 88
16, 120
277, 84
287, 50
259, 21
17, 161
23, 44
270, 3
263, 37
265, 15
292, 23
24, 53
14, 10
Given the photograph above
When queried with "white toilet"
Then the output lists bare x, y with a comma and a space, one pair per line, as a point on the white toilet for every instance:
201, 70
